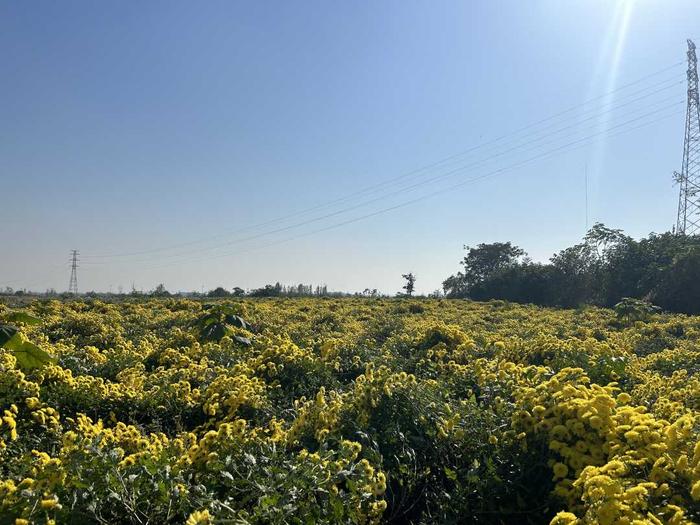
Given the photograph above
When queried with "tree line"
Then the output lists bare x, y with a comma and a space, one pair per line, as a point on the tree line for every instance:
604, 268
269, 290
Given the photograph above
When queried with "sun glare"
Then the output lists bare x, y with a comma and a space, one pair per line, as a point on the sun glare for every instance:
605, 79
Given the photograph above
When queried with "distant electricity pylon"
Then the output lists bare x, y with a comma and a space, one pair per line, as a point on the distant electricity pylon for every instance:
73, 284
688, 222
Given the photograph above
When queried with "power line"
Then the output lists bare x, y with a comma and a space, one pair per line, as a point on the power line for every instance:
396, 192
400, 177
565, 148
393, 193
451, 188
385, 183
435, 178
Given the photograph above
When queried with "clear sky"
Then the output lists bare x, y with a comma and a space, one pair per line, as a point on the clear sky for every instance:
162, 134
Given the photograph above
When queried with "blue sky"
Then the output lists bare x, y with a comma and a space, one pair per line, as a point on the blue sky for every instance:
158, 134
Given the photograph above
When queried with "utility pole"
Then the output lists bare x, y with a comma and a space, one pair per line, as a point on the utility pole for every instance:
73, 284
688, 220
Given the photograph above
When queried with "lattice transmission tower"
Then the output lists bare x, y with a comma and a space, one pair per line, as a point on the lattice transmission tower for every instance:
688, 222
73, 284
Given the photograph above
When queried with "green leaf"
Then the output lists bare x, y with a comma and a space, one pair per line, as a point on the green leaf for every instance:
238, 321
14, 343
23, 317
214, 332
30, 356
7, 332
206, 321
269, 501
227, 309
451, 474
338, 509
242, 340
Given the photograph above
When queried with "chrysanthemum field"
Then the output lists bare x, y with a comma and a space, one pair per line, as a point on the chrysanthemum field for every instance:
305, 411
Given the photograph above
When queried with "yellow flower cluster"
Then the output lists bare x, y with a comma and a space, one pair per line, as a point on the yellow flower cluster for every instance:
8, 424
319, 415
374, 384
615, 462
349, 411
228, 392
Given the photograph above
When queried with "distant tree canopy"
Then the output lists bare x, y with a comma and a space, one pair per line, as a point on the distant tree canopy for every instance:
219, 291
604, 268
299, 290
274, 290
481, 264
410, 283
268, 290
160, 291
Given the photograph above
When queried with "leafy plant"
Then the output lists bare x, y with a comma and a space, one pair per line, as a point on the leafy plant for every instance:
630, 309
220, 320
23, 317
29, 356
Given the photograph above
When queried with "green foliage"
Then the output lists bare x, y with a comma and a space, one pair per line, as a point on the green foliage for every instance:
7, 332
353, 411
602, 270
220, 320
268, 290
630, 310
22, 317
29, 356
480, 264
679, 285
410, 283
218, 292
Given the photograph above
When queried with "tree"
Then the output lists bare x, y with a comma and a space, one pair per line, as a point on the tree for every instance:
487, 259
219, 291
238, 292
574, 275
604, 268
523, 283
410, 283
580, 271
601, 237
678, 289
267, 291
481, 263
160, 291
455, 286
